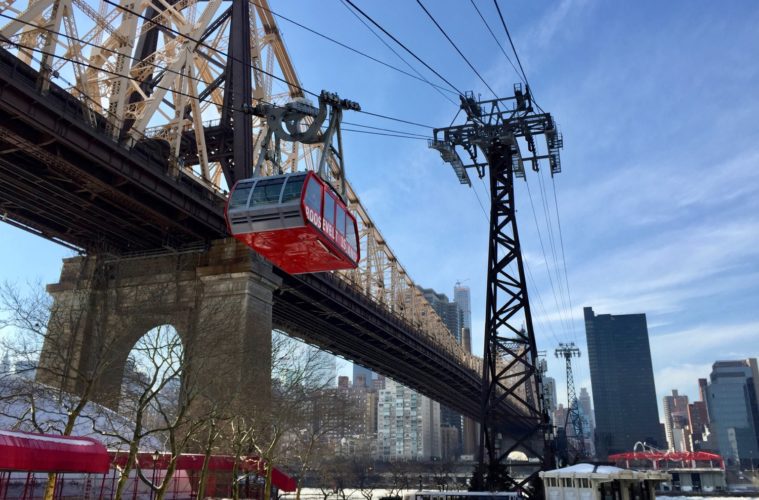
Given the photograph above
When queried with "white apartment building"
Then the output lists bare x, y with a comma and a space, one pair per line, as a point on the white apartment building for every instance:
408, 424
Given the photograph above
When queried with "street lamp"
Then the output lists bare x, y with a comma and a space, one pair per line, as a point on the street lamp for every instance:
420, 482
156, 456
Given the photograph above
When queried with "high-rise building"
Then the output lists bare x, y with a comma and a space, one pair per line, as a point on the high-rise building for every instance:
362, 375
698, 422
452, 316
560, 417
676, 422
408, 424
452, 419
469, 429
732, 396
462, 297
703, 384
622, 376
450, 446
588, 419
549, 395
449, 312
466, 339
586, 408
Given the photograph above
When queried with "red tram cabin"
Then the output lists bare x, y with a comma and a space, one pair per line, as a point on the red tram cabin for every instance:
297, 221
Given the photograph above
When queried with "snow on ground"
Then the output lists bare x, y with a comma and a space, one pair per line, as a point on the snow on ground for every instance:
22, 400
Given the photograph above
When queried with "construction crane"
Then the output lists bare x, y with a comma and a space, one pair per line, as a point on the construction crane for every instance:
569, 351
494, 129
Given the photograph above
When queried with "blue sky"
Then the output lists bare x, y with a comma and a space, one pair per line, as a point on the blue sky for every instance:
658, 197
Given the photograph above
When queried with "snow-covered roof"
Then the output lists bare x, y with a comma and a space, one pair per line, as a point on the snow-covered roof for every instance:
609, 472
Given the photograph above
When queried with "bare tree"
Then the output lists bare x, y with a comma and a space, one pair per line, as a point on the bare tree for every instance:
39, 342
151, 383
326, 417
299, 374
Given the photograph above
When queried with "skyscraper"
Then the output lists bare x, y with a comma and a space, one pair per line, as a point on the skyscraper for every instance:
449, 312
462, 297
676, 422
588, 419
549, 395
452, 316
732, 396
587, 409
622, 376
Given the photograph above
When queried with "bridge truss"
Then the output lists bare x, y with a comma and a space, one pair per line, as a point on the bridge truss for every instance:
162, 77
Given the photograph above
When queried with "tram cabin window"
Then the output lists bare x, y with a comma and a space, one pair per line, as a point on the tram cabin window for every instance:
329, 215
267, 192
293, 188
240, 195
341, 221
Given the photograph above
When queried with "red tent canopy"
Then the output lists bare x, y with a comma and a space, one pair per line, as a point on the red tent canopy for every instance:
669, 456
194, 462
25, 451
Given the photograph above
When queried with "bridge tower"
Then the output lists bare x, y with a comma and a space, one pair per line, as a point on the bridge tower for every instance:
569, 351
510, 369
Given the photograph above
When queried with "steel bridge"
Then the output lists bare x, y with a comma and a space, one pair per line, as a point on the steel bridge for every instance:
114, 140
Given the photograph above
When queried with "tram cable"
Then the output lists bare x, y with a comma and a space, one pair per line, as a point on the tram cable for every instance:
513, 48
382, 129
545, 258
466, 60
375, 23
561, 242
356, 51
503, 51
552, 246
391, 49
384, 134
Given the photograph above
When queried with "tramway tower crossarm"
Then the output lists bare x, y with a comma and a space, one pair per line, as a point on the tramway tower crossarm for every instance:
491, 138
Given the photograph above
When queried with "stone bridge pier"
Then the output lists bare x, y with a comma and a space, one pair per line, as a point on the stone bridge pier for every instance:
219, 300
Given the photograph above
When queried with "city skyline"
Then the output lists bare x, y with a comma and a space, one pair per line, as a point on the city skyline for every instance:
658, 217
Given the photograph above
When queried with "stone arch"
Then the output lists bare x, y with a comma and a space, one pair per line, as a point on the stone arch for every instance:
219, 300
156, 360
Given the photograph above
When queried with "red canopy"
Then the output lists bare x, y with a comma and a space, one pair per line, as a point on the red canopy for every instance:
25, 451
194, 462
669, 456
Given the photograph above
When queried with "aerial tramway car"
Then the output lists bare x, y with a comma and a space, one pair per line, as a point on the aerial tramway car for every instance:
297, 221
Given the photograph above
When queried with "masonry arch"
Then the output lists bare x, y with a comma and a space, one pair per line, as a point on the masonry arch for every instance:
151, 382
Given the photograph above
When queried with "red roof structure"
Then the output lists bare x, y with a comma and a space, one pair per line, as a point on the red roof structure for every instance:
687, 458
29, 452
25, 451
217, 463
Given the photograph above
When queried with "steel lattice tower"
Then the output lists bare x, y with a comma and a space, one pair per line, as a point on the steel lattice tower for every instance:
568, 351
494, 128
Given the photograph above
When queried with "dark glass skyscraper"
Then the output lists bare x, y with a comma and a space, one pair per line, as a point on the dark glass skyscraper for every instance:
624, 395
732, 396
